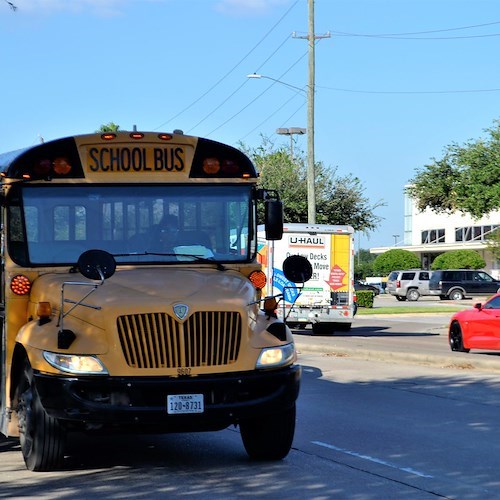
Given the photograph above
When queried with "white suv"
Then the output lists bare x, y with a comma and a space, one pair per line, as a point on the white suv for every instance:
409, 284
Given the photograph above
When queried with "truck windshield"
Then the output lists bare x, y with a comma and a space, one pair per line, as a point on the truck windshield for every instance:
136, 223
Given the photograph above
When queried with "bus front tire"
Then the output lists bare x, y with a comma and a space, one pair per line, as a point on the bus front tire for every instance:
42, 437
269, 437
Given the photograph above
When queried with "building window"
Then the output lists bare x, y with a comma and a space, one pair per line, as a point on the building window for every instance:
432, 236
473, 233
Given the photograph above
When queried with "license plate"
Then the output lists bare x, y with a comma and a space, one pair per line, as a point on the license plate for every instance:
185, 403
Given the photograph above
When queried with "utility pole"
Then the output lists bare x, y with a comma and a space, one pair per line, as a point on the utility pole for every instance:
311, 191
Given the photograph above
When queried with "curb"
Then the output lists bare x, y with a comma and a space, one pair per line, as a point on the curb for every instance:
458, 361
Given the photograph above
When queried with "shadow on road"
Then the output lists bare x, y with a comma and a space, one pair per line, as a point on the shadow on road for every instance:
366, 331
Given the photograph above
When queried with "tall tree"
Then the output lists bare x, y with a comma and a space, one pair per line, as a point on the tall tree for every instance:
109, 127
466, 179
339, 199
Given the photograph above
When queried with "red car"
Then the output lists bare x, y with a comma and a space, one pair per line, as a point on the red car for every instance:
476, 328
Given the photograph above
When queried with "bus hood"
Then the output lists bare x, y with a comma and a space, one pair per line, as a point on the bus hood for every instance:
138, 291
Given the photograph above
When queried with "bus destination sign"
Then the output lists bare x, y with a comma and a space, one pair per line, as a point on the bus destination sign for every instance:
107, 159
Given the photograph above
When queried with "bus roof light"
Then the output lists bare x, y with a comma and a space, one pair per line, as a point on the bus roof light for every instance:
108, 136
165, 137
43, 167
136, 135
211, 165
62, 166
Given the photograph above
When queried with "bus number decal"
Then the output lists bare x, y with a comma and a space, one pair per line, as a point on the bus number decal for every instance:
136, 159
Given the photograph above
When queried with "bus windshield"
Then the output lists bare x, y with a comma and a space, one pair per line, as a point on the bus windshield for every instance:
136, 223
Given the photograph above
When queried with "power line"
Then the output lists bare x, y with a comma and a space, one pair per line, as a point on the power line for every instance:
259, 96
230, 71
471, 91
237, 89
410, 35
402, 37
273, 114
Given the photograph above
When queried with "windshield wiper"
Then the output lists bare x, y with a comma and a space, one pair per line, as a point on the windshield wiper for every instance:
196, 258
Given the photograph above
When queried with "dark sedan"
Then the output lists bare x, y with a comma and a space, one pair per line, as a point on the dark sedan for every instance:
365, 286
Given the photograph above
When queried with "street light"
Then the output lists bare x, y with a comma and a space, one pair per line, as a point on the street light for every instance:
257, 75
291, 132
311, 190
395, 236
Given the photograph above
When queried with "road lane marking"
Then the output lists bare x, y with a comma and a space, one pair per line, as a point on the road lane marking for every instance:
371, 459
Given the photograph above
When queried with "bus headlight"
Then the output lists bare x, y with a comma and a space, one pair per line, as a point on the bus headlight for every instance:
272, 357
72, 363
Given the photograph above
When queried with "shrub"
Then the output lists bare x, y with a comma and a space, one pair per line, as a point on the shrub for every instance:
458, 259
396, 259
365, 298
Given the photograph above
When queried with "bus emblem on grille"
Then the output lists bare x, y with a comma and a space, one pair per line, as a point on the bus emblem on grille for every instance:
181, 310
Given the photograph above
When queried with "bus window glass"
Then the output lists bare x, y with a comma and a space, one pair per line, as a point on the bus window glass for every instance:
211, 222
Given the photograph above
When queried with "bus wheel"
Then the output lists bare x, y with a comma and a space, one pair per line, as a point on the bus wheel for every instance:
42, 438
269, 437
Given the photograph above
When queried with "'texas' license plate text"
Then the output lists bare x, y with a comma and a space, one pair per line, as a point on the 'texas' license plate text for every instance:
136, 159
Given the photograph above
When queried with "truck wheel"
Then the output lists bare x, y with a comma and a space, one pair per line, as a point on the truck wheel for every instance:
456, 295
269, 437
42, 438
400, 298
413, 295
323, 328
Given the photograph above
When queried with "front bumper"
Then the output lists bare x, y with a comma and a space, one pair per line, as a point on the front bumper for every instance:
141, 402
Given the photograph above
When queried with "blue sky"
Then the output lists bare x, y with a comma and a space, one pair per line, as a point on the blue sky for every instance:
396, 82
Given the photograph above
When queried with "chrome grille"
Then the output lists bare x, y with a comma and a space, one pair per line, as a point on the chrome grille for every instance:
157, 340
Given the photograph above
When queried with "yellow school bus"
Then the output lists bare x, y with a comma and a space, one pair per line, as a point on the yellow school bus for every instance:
131, 295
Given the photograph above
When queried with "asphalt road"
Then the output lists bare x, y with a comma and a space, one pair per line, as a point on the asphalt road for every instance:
386, 411
420, 338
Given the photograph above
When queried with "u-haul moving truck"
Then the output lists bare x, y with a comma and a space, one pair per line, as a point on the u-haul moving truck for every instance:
327, 300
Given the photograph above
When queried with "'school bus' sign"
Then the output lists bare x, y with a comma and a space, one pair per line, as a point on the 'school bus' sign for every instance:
136, 159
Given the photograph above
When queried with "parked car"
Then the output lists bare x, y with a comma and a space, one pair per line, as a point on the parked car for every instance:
476, 328
457, 284
358, 285
409, 284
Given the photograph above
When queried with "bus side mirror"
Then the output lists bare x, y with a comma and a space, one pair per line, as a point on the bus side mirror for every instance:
96, 264
273, 222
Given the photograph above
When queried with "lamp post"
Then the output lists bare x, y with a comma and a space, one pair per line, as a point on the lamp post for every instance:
291, 132
395, 236
311, 190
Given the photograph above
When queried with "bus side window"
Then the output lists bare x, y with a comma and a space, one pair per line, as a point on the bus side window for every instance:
15, 236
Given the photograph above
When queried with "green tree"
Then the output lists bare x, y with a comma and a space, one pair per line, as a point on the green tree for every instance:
339, 199
109, 127
465, 179
458, 259
363, 264
395, 259
493, 243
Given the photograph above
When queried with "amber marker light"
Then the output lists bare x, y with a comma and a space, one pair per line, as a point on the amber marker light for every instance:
136, 135
44, 310
20, 285
211, 165
62, 166
108, 136
165, 137
258, 279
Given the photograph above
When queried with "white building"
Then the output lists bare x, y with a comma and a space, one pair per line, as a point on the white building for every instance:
428, 235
